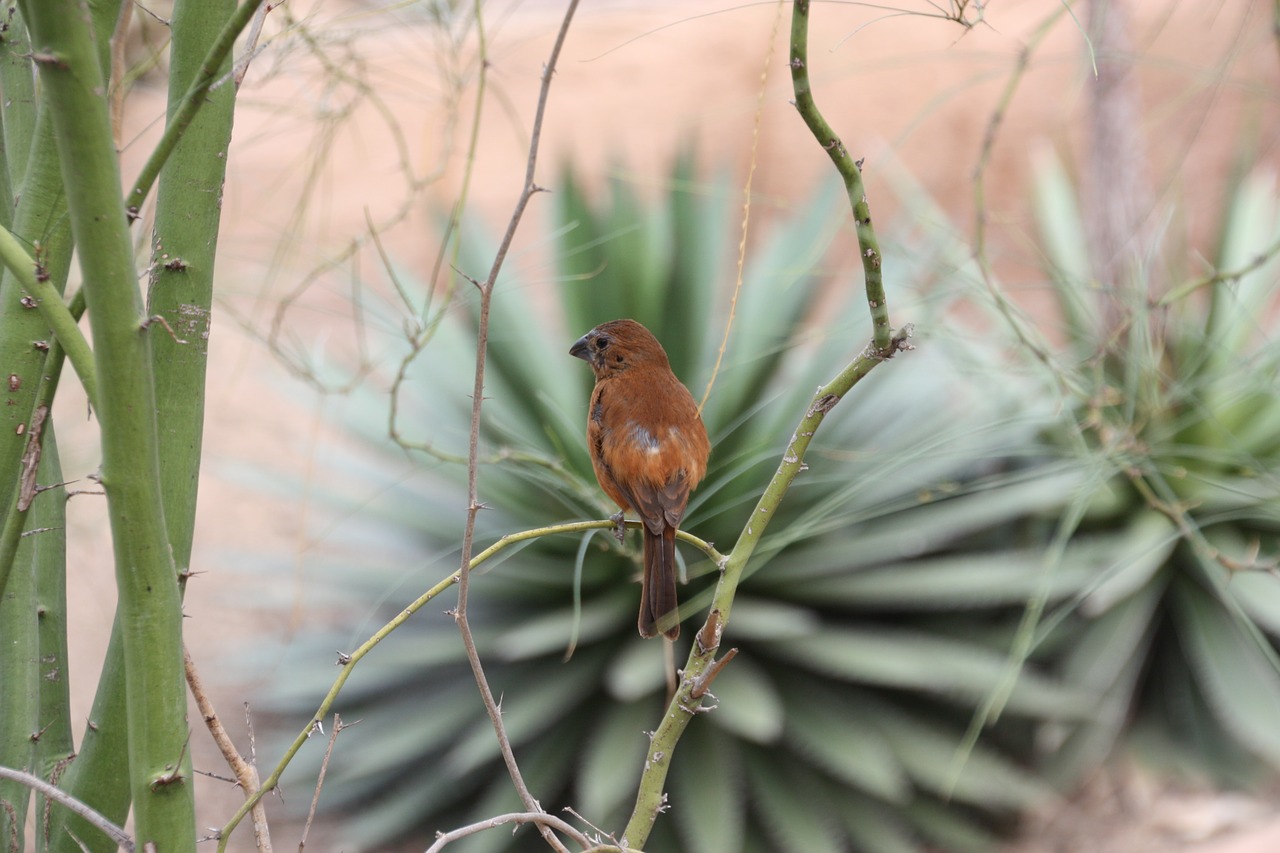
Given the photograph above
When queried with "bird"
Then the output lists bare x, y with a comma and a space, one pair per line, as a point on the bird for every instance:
649, 449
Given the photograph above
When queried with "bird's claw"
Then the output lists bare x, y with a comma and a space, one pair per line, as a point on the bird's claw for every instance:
619, 526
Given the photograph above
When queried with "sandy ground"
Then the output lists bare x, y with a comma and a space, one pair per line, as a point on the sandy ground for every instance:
352, 115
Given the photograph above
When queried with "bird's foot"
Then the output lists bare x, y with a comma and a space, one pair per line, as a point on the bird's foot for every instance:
619, 526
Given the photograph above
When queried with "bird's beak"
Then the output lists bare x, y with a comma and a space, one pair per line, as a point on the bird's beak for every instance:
580, 349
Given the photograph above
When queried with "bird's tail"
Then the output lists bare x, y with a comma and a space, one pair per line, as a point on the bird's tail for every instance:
658, 593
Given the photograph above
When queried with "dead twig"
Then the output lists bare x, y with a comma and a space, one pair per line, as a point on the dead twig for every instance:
324, 768
541, 818
246, 773
35, 783
473, 455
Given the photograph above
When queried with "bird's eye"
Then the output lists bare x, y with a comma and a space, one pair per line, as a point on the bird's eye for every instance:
602, 343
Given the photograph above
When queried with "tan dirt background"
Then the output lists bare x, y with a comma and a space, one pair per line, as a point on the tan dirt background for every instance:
636, 81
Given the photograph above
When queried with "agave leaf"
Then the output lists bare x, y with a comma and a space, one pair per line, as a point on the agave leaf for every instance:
1066, 249
1254, 418
1101, 649
1241, 685
528, 393
583, 259
749, 705
545, 694
701, 217
1089, 744
929, 756
638, 670
936, 665
981, 579
933, 521
774, 296
373, 819
843, 740
871, 827
1252, 226
790, 804
1257, 594
706, 791
544, 764
1137, 554
949, 828
1106, 656
639, 250
389, 749
551, 631
613, 758
1250, 496
765, 619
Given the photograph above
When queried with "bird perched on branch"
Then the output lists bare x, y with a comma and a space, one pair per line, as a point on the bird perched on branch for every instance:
649, 449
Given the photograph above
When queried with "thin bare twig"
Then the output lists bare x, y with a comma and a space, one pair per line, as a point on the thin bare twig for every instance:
746, 206
118, 39
473, 453
425, 323
35, 783
540, 818
241, 67
246, 772
324, 768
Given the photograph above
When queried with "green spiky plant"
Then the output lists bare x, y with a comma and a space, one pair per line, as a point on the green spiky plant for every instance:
1172, 422
1177, 411
876, 620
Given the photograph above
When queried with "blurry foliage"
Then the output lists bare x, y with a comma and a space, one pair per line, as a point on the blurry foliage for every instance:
970, 552
1171, 421
1178, 408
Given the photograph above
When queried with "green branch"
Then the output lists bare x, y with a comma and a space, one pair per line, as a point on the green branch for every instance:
33, 279
149, 607
849, 169
16, 517
181, 117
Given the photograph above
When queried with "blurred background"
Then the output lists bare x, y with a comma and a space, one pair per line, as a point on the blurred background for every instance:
1026, 594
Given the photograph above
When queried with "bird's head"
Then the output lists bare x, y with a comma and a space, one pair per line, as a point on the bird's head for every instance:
617, 346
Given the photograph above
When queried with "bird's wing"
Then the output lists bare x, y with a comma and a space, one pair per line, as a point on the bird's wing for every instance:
660, 505
650, 472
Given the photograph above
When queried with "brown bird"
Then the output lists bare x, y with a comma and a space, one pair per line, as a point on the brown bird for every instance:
649, 449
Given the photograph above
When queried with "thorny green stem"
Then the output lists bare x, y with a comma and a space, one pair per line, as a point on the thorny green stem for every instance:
32, 279
191, 104
16, 518
850, 171
149, 606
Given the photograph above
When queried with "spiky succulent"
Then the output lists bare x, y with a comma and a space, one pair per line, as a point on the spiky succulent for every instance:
1176, 411
885, 616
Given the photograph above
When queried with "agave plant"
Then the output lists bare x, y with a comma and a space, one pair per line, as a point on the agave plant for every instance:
1178, 417
875, 624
